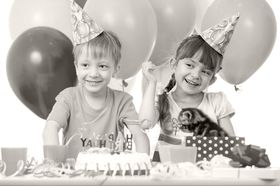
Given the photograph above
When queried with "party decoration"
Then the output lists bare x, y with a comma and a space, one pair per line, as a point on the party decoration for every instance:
175, 20
253, 38
249, 155
84, 27
81, 3
29, 13
40, 64
135, 24
218, 36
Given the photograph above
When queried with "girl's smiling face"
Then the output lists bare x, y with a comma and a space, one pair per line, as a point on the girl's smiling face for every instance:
94, 74
192, 76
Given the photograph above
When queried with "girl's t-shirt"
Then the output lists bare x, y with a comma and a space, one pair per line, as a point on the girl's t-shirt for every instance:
72, 112
214, 105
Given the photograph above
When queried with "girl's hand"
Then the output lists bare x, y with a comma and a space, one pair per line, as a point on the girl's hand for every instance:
147, 68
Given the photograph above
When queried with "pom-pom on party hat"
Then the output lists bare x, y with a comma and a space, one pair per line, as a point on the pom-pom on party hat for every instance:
219, 35
84, 27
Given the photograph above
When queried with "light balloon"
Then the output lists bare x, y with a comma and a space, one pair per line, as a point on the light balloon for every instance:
135, 24
176, 19
50, 13
252, 40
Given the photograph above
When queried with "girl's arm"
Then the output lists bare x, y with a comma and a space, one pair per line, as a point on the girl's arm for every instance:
140, 139
50, 133
147, 110
226, 124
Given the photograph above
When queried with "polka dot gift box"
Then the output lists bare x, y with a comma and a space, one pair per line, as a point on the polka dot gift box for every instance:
208, 147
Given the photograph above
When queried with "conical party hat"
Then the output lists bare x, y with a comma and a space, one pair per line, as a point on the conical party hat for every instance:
219, 35
84, 27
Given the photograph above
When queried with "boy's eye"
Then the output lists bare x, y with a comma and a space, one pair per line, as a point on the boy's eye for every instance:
84, 65
104, 67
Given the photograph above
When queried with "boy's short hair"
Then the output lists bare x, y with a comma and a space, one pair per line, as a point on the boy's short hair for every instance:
106, 44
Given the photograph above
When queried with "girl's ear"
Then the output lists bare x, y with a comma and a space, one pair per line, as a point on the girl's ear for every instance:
117, 69
213, 80
172, 64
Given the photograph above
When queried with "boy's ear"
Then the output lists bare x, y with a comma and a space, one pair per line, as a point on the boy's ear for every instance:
117, 69
213, 80
172, 64
76, 68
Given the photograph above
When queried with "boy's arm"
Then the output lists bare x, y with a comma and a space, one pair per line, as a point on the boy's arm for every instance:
50, 133
226, 124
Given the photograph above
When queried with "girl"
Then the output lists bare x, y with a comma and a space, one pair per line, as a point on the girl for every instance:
197, 60
91, 107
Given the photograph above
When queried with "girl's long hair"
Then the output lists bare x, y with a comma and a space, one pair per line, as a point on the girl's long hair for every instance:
187, 49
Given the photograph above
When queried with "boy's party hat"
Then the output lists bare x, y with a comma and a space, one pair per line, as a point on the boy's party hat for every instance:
84, 28
219, 35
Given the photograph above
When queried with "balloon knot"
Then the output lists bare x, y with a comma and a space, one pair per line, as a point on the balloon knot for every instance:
236, 88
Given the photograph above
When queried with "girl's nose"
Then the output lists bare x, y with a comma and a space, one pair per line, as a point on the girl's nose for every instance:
195, 73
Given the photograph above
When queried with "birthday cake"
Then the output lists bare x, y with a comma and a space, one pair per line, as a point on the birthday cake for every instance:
122, 163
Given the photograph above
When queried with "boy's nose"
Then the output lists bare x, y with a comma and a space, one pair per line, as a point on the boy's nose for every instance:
94, 72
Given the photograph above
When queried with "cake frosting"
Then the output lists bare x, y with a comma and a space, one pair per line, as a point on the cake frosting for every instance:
103, 160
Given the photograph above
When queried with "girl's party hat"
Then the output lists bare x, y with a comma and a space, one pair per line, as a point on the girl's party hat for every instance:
84, 28
219, 35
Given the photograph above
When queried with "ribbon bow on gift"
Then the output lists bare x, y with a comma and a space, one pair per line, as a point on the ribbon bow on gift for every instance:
249, 155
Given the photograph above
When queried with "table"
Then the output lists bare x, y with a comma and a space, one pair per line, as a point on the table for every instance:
140, 180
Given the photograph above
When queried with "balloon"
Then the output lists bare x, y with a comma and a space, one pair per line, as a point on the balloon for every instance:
201, 7
50, 13
176, 19
135, 24
40, 64
252, 40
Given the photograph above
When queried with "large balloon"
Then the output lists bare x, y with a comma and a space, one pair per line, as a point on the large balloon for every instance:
176, 19
40, 64
135, 24
252, 40
32, 13
201, 8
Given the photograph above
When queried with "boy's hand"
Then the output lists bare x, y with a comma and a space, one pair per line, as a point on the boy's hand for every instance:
147, 68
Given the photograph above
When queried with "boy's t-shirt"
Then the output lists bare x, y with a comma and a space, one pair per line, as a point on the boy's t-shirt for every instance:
72, 112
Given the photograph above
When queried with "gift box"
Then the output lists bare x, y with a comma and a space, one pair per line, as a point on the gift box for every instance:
208, 147
177, 153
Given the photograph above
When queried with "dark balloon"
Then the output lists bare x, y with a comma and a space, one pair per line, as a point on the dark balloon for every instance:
40, 64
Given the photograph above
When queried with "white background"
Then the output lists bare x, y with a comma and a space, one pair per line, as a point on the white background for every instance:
257, 117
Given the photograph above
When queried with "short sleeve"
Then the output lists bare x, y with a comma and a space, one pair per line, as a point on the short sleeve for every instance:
223, 107
127, 108
61, 109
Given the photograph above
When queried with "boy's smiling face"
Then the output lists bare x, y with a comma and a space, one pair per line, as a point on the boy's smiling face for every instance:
94, 74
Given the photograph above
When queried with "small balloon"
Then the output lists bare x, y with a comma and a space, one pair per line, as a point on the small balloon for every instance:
252, 40
175, 19
40, 64
135, 24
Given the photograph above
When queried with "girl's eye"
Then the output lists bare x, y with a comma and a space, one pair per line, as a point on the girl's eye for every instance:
189, 65
207, 72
